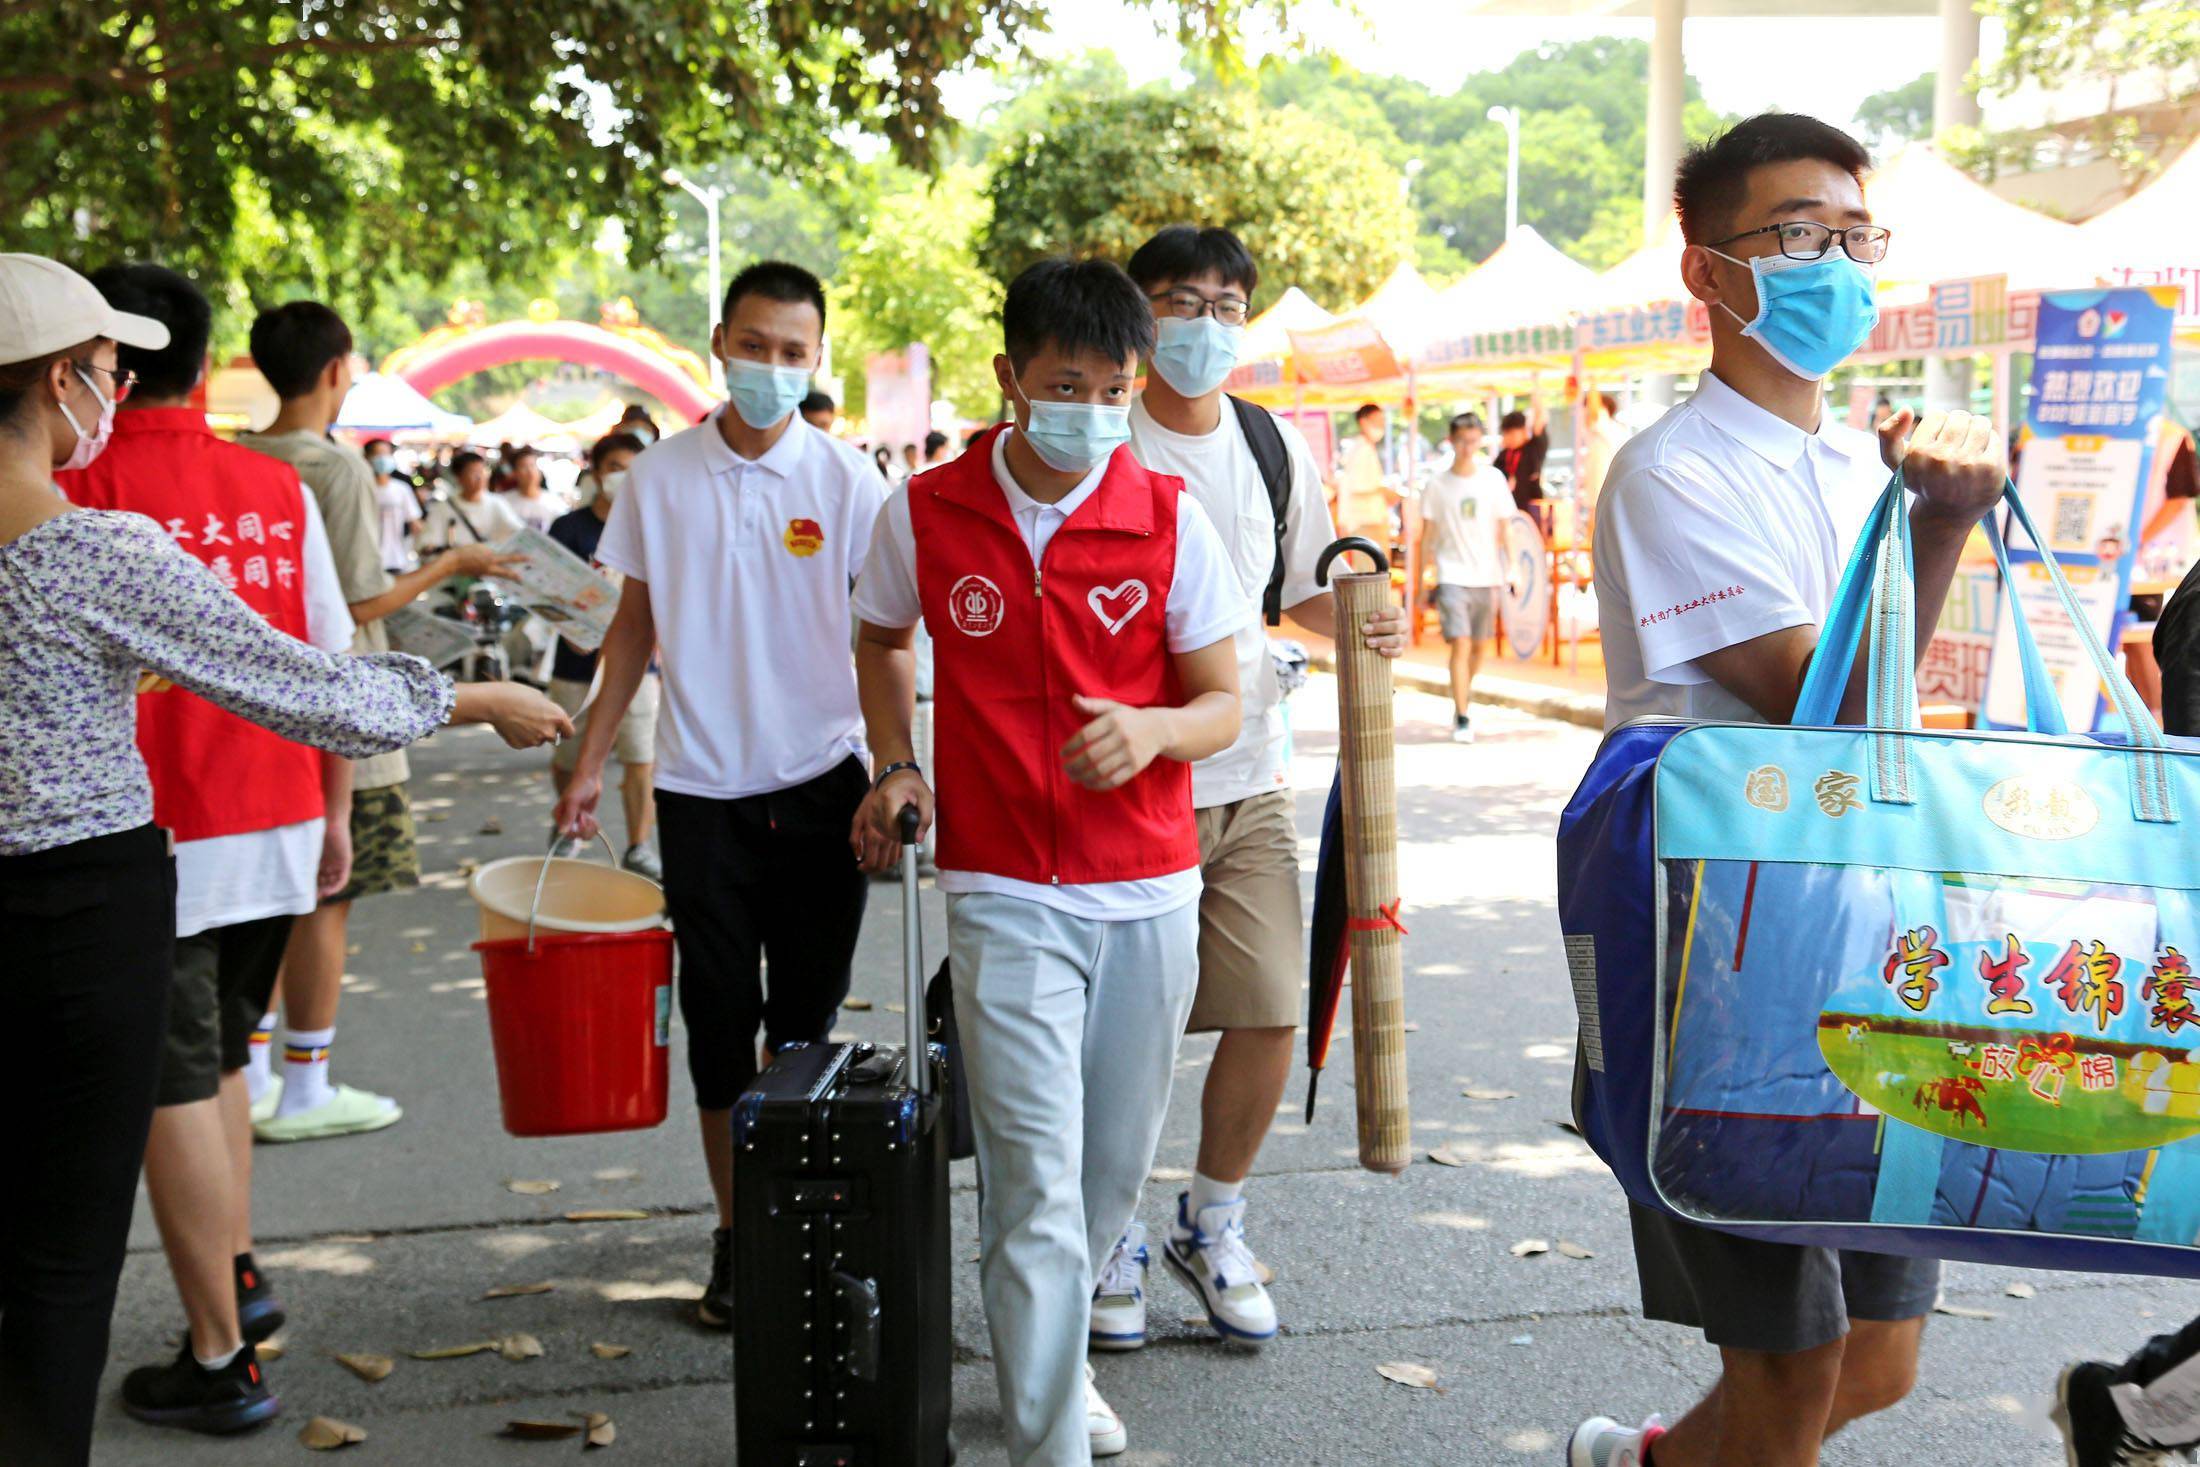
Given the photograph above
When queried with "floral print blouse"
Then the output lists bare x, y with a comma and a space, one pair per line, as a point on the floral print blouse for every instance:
90, 598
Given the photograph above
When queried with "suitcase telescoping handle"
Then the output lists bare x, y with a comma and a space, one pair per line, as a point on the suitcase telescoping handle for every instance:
912, 960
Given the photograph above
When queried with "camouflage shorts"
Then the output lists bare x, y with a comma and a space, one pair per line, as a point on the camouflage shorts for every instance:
383, 856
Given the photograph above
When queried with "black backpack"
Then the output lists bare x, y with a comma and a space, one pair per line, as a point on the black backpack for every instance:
1265, 439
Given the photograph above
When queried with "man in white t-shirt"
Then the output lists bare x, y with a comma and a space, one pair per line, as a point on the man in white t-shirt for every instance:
1463, 515
472, 516
1720, 538
1067, 716
738, 539
396, 508
1199, 283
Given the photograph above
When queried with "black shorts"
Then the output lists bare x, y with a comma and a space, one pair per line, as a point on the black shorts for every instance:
224, 978
1772, 1297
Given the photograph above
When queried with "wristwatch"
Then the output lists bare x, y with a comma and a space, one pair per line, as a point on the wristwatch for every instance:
895, 768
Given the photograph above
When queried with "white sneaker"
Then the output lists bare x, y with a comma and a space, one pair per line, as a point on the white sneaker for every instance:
1602, 1442
1462, 732
1109, 1439
1208, 1255
263, 1109
1119, 1300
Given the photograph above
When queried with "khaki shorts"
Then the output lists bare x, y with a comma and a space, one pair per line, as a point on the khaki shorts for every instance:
384, 857
636, 741
1252, 953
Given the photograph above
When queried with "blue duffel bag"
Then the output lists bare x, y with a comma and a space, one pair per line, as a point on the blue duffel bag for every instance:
1906, 991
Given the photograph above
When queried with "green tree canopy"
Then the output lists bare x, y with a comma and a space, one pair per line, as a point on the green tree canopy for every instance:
1899, 115
911, 274
1318, 208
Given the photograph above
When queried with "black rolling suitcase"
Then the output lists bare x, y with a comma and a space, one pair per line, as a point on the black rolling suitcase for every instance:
842, 1346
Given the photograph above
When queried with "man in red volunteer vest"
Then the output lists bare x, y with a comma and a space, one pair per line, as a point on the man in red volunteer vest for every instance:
250, 820
1082, 612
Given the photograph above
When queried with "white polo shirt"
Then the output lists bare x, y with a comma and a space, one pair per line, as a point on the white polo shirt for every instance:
1218, 470
1206, 605
748, 565
1719, 524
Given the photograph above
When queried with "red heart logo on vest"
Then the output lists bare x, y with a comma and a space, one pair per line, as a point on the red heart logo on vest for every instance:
1116, 605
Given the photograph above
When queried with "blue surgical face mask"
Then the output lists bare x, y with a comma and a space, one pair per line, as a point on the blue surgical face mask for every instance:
1195, 357
382, 464
1075, 437
1811, 314
762, 393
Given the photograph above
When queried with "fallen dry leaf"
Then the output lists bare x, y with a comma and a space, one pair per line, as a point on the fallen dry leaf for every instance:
542, 1431
1475, 1094
857, 1005
1410, 1027
516, 1291
1573, 1250
601, 1433
419, 947
352, 951
1959, 1311
607, 1214
268, 1350
325, 1434
2021, 1291
1530, 1247
454, 1352
527, 1188
368, 1367
618, 1174
1445, 1156
603, 1351
520, 1345
1420, 1377
492, 826
1169, 1174
895, 1008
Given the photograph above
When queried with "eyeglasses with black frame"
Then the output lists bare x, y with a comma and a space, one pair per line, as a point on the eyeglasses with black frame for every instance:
124, 380
1806, 239
1187, 304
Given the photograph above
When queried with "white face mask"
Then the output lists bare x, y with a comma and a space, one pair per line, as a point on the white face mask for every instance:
611, 485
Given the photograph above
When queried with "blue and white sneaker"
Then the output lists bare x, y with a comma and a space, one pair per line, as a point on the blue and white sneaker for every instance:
1602, 1442
1208, 1256
1119, 1300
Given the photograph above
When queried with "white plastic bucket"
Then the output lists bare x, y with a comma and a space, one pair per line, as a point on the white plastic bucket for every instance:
560, 894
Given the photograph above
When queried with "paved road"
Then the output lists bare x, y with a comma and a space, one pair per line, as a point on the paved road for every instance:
384, 1244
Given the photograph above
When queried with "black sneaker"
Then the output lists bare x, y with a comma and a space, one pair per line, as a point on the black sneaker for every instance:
185, 1393
715, 1309
2093, 1430
259, 1312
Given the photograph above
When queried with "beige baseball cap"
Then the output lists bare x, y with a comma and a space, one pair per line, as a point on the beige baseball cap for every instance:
46, 307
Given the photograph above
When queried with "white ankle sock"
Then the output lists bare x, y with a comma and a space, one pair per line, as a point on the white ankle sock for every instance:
259, 1072
1207, 1192
218, 1361
305, 1069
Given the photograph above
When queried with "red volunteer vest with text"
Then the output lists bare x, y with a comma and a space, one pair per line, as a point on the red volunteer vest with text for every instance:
1014, 642
242, 514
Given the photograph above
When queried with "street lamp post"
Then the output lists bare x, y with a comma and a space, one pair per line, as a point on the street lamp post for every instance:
1510, 117
709, 198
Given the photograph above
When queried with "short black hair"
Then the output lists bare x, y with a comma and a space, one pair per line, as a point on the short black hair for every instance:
524, 450
934, 441
1076, 306
293, 344
612, 443
1184, 251
367, 447
172, 300
1713, 179
1514, 419
1465, 420
461, 462
1366, 410
817, 402
776, 280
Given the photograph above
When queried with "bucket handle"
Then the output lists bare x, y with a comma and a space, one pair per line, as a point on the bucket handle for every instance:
534, 908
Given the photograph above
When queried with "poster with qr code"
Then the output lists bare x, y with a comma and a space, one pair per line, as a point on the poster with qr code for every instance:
2100, 376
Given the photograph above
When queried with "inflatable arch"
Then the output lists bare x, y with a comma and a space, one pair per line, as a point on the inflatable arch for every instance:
469, 342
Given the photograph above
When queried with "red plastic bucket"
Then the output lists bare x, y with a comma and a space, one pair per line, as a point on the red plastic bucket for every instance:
580, 1026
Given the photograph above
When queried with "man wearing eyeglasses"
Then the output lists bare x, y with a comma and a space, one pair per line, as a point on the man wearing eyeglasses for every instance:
1243, 465
1721, 534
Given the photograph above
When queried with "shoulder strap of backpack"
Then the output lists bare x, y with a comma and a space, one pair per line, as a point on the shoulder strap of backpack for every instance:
1265, 440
